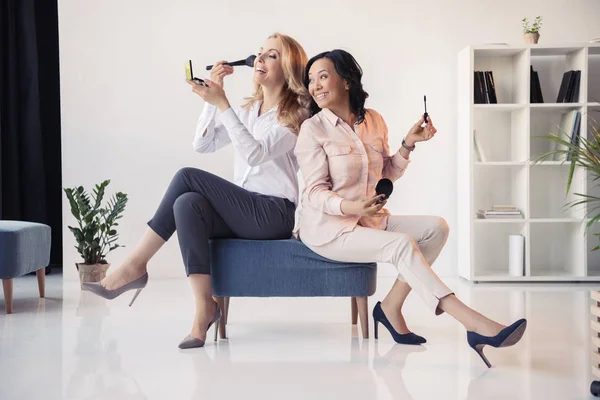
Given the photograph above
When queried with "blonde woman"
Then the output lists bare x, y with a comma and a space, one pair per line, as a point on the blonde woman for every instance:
261, 202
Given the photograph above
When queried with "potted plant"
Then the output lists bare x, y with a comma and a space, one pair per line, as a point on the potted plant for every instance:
582, 153
95, 234
532, 34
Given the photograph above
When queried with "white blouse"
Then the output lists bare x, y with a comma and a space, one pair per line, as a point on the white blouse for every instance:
264, 160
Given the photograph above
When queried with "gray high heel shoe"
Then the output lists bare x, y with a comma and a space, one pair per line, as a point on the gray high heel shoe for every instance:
191, 342
98, 289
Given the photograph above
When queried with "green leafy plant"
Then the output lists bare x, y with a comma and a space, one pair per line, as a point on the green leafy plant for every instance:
537, 24
584, 154
95, 234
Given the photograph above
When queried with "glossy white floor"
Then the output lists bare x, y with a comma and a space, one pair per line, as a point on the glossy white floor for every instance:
75, 346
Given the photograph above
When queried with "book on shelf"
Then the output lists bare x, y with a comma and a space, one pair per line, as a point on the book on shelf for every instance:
478, 149
500, 207
484, 88
569, 87
569, 127
535, 90
499, 213
575, 134
478, 89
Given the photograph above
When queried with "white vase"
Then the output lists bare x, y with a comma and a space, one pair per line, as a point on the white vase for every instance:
516, 255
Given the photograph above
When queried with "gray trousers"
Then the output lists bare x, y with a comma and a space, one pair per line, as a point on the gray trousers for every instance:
201, 206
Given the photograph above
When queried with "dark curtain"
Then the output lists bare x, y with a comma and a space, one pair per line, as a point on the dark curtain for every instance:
30, 147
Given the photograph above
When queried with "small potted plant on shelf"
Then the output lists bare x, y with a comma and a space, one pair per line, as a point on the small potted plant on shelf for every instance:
95, 234
532, 34
580, 153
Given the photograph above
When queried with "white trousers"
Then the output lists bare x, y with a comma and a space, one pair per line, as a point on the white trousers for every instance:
411, 243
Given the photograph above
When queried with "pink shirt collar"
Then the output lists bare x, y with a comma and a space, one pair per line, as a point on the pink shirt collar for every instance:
331, 117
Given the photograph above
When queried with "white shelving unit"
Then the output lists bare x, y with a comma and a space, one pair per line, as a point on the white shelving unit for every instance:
556, 246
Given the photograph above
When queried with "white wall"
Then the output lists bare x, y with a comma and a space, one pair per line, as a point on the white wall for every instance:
128, 115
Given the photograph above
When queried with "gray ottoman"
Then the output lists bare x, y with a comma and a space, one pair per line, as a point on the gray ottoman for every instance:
24, 248
287, 268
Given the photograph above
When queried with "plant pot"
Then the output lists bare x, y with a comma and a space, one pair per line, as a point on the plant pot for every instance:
531, 38
92, 272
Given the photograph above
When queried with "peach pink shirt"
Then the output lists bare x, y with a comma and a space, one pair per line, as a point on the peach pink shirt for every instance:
338, 162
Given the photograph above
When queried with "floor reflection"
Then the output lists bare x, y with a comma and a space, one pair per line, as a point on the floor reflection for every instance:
85, 347
97, 371
347, 375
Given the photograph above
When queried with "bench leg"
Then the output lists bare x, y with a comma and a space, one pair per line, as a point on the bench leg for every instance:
226, 309
221, 322
41, 278
354, 310
363, 313
7, 286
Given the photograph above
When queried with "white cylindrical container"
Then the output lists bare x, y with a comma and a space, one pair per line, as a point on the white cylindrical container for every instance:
516, 255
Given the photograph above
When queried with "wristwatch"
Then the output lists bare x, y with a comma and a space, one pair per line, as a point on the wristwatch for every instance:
407, 147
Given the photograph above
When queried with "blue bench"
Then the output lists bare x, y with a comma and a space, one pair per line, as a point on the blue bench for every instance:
24, 248
287, 268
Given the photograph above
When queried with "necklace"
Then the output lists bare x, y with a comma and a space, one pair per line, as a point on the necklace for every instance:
261, 111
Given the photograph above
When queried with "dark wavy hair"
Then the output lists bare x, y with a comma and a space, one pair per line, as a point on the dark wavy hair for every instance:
347, 68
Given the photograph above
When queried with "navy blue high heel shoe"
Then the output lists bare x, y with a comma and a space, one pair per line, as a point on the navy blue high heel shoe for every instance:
507, 337
407, 338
